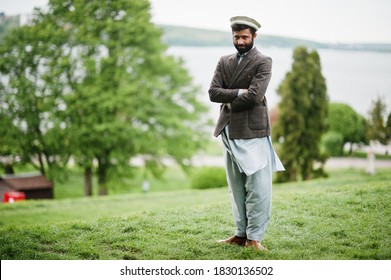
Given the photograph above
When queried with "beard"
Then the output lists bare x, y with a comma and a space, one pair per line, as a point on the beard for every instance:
243, 48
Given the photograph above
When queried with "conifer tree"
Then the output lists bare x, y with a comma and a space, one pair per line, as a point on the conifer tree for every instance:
377, 121
303, 115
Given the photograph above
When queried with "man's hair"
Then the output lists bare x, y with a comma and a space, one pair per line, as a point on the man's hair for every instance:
240, 27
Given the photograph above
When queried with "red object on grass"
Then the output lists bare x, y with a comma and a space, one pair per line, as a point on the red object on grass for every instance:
13, 196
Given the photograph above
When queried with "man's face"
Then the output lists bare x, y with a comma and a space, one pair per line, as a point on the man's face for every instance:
243, 40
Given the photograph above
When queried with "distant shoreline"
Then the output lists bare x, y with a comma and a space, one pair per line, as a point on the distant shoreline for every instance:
196, 37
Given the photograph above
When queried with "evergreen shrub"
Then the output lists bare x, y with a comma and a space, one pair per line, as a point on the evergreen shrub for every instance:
332, 143
208, 178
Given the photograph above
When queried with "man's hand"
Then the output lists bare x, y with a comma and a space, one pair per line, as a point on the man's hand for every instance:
242, 91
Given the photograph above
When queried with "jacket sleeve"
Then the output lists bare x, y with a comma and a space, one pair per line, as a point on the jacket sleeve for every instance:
217, 92
257, 89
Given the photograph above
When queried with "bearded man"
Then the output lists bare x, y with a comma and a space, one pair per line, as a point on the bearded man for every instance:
239, 84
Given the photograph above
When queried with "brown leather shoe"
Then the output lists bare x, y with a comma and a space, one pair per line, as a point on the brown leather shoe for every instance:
256, 245
234, 240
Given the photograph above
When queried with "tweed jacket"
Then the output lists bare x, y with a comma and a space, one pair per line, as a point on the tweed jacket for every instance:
247, 114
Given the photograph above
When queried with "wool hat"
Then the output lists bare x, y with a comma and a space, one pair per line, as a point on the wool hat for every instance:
246, 21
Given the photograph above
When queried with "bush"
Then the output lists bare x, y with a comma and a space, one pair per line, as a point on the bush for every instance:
332, 143
208, 178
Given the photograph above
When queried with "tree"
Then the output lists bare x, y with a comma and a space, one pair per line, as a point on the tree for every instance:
120, 94
29, 98
388, 128
348, 123
8, 150
303, 115
377, 121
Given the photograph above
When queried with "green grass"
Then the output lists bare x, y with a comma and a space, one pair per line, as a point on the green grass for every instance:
346, 216
173, 179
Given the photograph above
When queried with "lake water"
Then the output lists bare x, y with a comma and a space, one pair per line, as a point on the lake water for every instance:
354, 78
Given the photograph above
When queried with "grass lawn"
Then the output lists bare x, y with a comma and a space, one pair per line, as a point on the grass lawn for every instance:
346, 216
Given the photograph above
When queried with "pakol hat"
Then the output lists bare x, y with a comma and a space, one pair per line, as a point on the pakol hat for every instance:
245, 21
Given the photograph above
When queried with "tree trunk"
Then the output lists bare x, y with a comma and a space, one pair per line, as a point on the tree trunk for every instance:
88, 181
9, 169
41, 164
102, 182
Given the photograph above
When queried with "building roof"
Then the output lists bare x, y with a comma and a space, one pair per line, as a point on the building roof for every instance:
27, 182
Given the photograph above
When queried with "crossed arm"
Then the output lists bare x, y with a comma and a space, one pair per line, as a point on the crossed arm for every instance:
242, 99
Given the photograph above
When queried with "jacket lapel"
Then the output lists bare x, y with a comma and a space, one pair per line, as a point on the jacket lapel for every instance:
232, 64
242, 65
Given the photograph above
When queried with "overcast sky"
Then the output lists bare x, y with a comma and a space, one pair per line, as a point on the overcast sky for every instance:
331, 21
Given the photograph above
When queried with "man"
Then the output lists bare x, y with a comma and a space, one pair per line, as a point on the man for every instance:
239, 84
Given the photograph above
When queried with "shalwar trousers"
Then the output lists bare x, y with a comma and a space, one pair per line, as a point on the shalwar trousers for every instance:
250, 198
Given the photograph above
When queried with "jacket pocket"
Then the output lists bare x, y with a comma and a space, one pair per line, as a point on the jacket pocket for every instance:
258, 118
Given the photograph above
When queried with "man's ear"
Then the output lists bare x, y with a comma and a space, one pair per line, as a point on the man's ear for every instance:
255, 35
